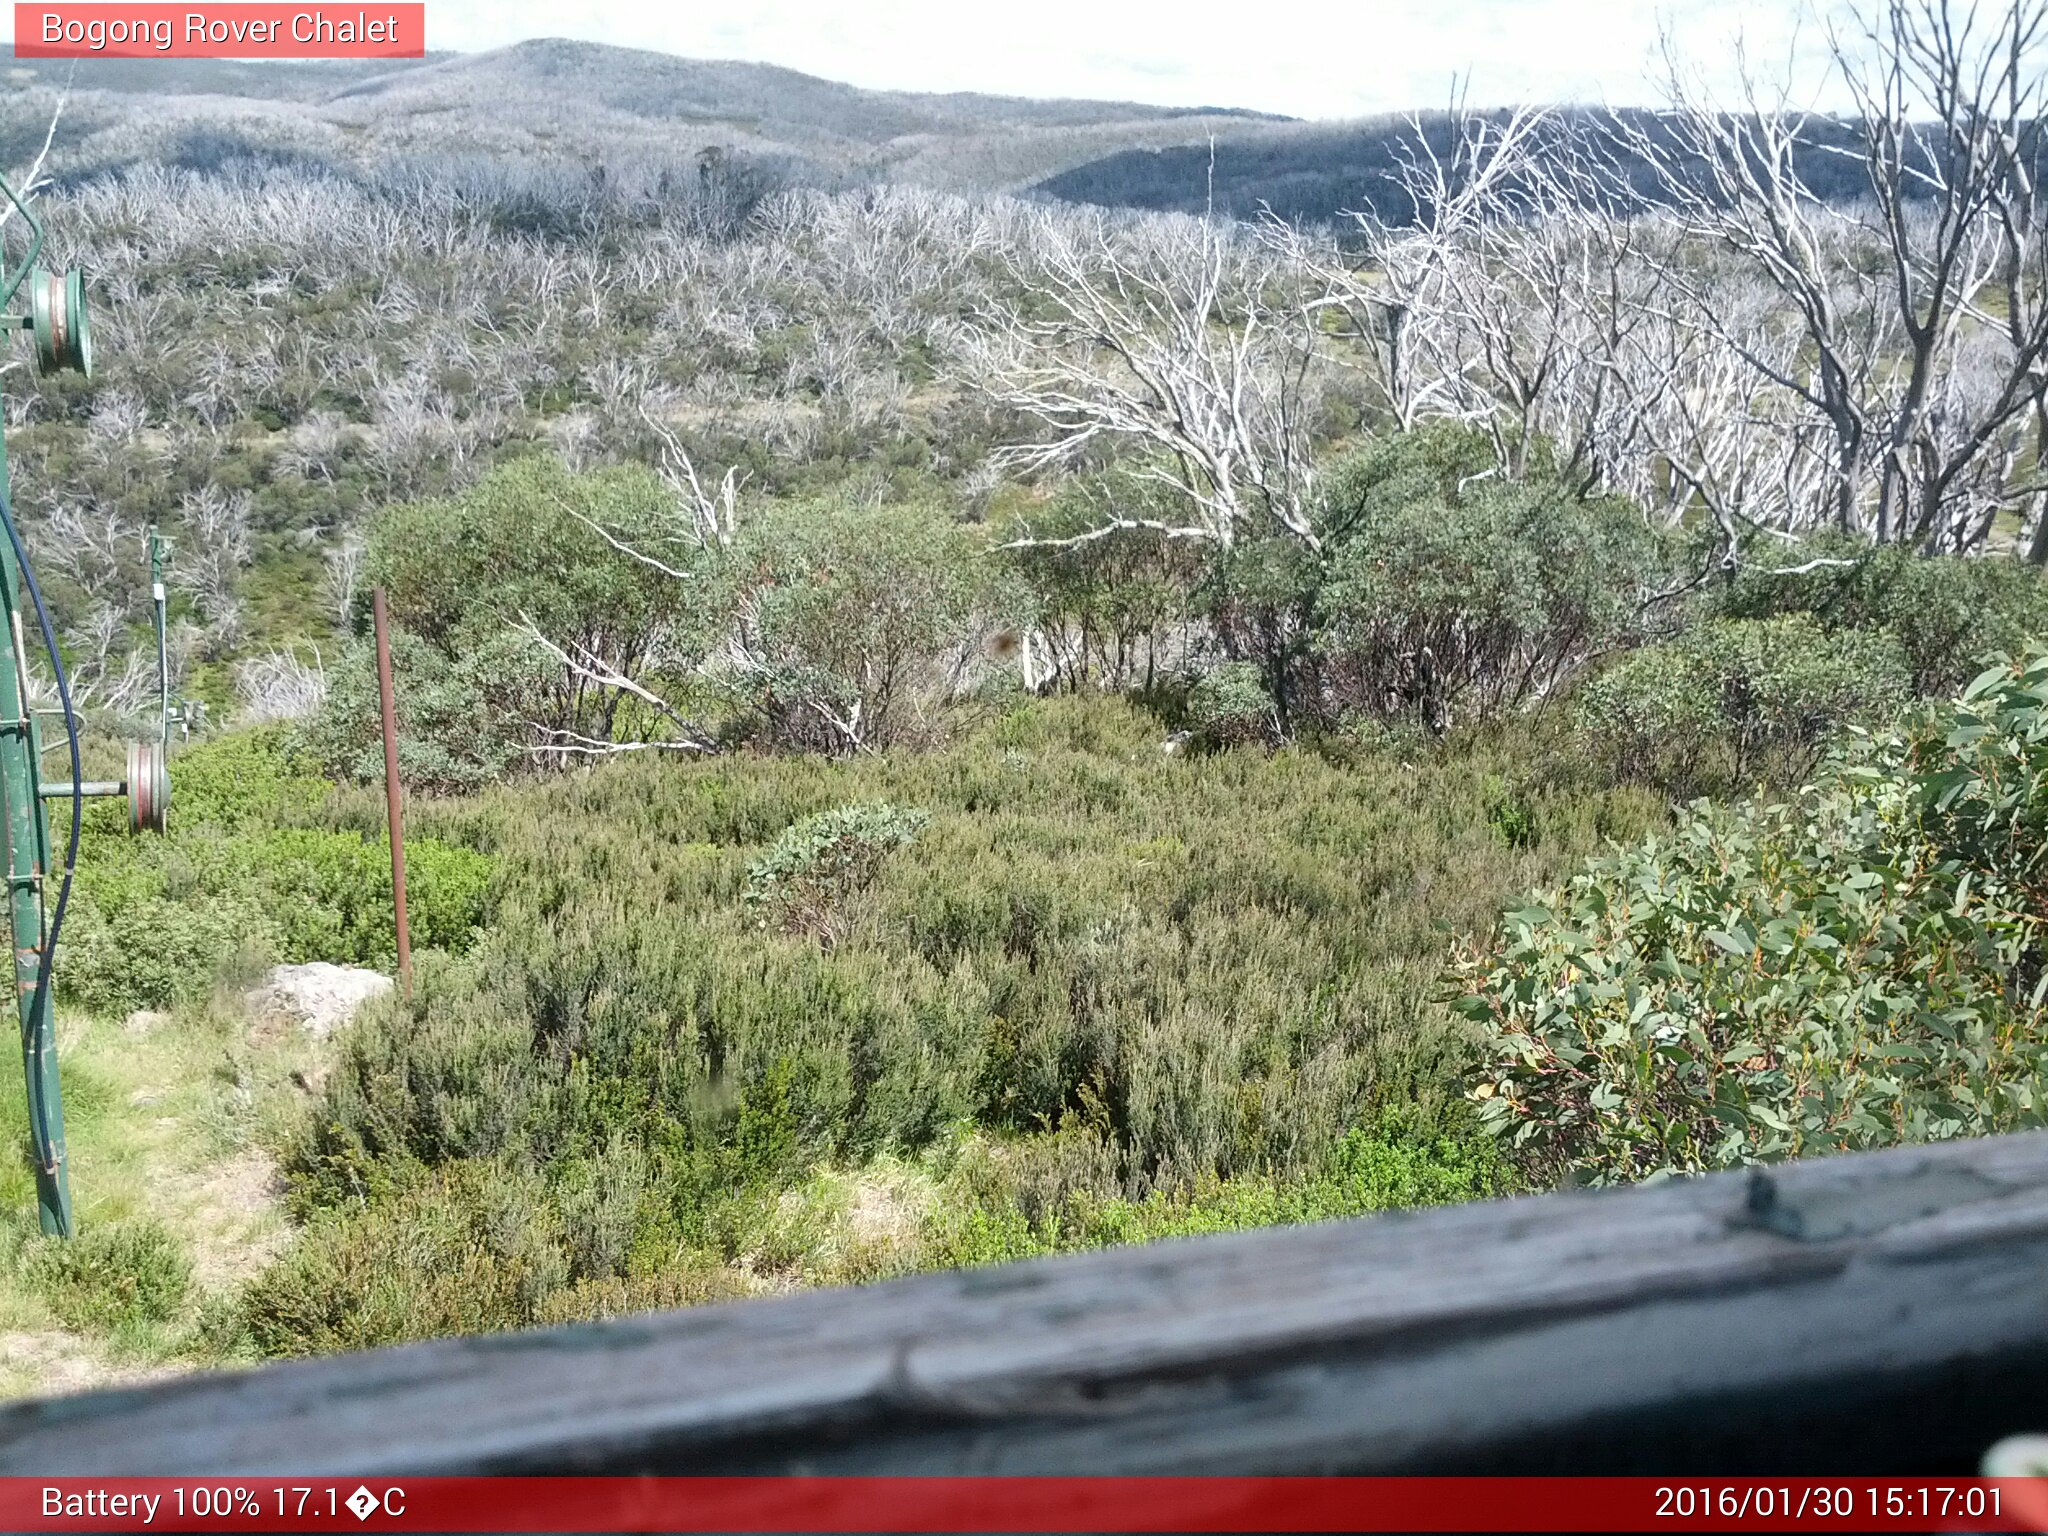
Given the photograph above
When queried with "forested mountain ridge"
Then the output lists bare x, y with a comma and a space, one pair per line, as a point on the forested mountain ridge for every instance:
579, 106
1321, 172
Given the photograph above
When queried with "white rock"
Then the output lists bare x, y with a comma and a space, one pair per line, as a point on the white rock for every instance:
145, 1021
318, 996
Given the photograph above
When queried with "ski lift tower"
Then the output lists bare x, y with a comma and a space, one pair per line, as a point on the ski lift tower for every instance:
61, 336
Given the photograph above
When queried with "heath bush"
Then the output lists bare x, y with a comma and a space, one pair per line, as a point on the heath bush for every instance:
1232, 704
1732, 700
1944, 612
810, 876
113, 1275
861, 624
1451, 594
157, 921
474, 1249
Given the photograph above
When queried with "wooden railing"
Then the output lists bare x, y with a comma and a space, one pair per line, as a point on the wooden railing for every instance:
1882, 1313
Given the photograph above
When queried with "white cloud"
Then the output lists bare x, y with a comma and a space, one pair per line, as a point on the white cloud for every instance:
1307, 58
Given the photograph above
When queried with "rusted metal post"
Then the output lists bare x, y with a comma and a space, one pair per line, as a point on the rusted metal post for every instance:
393, 815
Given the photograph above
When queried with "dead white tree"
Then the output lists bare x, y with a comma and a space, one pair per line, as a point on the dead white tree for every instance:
344, 572
1892, 293
217, 546
32, 180
118, 684
280, 685
1445, 297
705, 518
1703, 437
1183, 340
1527, 295
89, 543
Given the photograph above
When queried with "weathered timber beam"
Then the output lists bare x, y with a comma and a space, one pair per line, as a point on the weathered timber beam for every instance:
1885, 1312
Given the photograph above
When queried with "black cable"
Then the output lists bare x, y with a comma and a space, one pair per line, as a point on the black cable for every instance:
28, 577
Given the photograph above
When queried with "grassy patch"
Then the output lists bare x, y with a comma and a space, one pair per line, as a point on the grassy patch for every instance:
170, 1124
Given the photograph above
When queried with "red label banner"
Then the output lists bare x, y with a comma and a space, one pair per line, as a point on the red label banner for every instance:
223, 31
1019, 1504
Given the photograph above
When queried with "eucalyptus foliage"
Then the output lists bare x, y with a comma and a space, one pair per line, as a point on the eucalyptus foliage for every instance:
1944, 615
1855, 966
855, 626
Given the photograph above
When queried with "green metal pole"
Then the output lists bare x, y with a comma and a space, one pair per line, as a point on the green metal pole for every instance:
27, 836
163, 655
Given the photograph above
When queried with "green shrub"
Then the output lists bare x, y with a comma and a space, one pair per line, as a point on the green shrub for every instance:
853, 626
474, 1250
160, 921
1732, 699
521, 540
1259, 600
1232, 704
1945, 612
626, 1296
1007, 1208
1087, 931
1856, 967
479, 1246
113, 1276
808, 879
461, 722
861, 623
1509, 810
156, 950
1109, 606
240, 779
526, 544
1451, 595
1978, 778
330, 893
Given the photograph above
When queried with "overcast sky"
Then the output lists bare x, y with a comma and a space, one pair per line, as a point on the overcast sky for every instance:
1306, 58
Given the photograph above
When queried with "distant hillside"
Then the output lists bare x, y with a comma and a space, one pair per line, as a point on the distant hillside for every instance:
1322, 172
573, 101
298, 80
1306, 171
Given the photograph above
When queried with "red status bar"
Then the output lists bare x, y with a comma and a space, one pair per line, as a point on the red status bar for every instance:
239, 29
1006, 1504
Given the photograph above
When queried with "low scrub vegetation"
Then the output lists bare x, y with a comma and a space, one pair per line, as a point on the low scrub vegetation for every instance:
849, 955
1049, 973
114, 1277
1735, 702
812, 874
